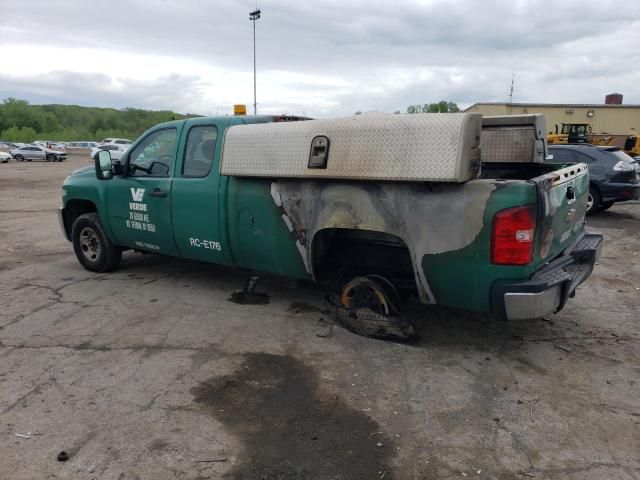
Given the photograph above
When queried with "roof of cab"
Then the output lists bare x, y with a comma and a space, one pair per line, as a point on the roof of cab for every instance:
234, 119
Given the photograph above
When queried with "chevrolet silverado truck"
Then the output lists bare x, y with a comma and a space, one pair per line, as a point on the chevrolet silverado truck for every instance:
455, 209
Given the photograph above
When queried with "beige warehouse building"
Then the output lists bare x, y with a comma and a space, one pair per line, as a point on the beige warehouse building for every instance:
604, 119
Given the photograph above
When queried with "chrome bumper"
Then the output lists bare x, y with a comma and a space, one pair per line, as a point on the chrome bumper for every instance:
550, 287
522, 306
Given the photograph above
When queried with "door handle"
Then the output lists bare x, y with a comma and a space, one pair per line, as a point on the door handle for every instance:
156, 192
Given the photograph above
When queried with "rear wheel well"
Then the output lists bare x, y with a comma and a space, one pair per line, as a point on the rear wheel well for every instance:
75, 208
340, 254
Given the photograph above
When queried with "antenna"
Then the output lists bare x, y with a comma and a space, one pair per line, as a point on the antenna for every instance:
513, 77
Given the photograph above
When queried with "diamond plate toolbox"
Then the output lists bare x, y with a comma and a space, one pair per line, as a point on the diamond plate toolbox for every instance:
513, 138
436, 147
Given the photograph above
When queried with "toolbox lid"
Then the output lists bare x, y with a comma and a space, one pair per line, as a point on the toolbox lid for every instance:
436, 147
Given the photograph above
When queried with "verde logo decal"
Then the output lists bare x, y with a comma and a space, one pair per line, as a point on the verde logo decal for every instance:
139, 218
137, 194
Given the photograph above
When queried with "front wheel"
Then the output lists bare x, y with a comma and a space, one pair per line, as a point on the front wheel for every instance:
19, 158
92, 247
51, 158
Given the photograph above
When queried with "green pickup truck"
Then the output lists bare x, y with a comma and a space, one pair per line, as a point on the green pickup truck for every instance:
457, 210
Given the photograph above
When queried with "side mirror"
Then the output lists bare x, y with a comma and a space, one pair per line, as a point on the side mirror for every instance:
104, 169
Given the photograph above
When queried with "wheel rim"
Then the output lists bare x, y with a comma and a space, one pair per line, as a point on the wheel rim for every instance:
589, 202
362, 292
90, 244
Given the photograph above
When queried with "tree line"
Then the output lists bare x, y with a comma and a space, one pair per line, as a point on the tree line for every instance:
22, 122
440, 107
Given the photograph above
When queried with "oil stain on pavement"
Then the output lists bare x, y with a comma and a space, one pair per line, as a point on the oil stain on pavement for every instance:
290, 429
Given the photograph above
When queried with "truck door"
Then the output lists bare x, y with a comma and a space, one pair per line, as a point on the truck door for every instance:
195, 194
139, 202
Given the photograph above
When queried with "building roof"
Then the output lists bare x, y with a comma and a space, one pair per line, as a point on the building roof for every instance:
562, 105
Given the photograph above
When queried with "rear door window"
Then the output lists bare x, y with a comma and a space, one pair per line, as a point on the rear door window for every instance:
560, 155
201, 148
581, 157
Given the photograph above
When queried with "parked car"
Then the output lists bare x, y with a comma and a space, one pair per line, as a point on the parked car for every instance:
37, 152
116, 150
614, 176
117, 141
4, 157
82, 144
9, 145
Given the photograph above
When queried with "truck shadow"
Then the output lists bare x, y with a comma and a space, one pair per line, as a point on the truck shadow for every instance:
439, 326
435, 326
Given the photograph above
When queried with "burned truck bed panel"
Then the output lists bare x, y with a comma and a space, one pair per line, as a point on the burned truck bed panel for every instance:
450, 215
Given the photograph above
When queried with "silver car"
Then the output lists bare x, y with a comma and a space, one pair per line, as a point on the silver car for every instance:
36, 152
116, 150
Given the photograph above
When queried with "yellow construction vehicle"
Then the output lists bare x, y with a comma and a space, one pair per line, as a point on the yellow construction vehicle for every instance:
632, 145
600, 140
570, 133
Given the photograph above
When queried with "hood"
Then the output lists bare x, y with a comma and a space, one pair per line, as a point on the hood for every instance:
90, 168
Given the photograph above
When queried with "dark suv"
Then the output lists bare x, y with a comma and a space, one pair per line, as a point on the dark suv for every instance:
614, 175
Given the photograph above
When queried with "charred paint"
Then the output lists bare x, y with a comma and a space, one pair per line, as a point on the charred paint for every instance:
429, 218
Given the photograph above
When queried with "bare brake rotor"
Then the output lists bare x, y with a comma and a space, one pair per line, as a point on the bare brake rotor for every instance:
369, 305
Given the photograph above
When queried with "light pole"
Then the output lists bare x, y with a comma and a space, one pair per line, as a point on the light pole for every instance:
253, 16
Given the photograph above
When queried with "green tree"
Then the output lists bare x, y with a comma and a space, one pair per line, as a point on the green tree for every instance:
22, 122
19, 134
440, 107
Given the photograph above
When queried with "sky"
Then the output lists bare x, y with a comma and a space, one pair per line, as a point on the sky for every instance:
320, 58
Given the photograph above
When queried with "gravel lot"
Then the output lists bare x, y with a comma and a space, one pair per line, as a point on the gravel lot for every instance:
150, 373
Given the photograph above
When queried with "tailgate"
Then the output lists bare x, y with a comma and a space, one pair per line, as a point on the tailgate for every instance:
562, 205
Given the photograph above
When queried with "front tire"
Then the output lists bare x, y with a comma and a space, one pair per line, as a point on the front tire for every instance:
92, 247
19, 158
51, 158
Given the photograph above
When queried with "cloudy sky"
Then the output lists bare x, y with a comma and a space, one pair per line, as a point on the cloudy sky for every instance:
317, 57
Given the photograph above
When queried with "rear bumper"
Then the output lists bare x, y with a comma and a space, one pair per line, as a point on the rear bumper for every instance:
550, 287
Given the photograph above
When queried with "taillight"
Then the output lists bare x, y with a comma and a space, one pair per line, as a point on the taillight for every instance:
513, 236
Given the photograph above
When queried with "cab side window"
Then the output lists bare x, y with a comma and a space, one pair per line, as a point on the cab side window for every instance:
201, 147
154, 156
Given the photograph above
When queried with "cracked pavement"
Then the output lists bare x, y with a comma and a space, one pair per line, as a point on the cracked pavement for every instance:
150, 373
